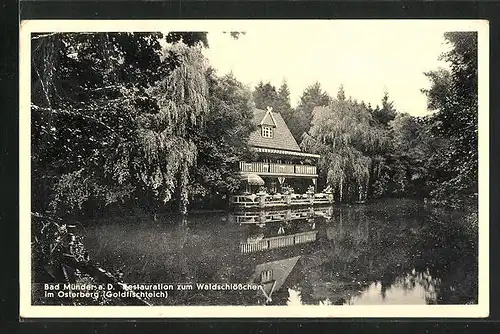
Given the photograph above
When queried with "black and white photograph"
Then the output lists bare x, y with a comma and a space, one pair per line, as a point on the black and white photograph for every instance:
254, 168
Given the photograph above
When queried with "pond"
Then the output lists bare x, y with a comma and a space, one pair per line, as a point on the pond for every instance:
393, 251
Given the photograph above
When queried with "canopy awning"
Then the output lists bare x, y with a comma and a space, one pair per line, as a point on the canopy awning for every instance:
252, 179
285, 152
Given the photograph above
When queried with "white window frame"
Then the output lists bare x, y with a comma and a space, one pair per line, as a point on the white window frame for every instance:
267, 131
266, 276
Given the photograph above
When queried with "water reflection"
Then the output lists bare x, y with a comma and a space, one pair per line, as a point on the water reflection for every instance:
412, 289
272, 216
279, 228
389, 252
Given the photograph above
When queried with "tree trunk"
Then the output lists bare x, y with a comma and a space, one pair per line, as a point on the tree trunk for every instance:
367, 185
341, 189
183, 190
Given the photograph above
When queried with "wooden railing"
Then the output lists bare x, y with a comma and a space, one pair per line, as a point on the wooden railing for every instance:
278, 242
281, 169
305, 169
265, 167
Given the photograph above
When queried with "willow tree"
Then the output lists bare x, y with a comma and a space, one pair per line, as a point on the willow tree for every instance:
167, 150
105, 108
342, 134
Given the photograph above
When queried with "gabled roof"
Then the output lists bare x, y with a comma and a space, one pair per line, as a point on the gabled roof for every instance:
281, 270
282, 137
268, 118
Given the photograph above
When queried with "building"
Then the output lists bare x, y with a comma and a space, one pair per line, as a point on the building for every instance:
280, 163
272, 275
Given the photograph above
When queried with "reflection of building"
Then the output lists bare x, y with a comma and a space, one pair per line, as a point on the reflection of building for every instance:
338, 260
277, 241
272, 275
284, 233
272, 216
273, 252
280, 160
324, 253
274, 244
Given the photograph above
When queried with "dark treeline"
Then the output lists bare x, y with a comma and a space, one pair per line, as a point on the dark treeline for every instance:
122, 121
378, 152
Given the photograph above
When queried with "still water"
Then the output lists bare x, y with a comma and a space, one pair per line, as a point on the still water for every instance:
395, 251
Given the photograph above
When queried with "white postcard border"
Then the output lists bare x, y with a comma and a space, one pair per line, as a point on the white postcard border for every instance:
377, 311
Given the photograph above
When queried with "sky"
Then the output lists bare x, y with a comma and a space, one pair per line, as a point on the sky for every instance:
365, 57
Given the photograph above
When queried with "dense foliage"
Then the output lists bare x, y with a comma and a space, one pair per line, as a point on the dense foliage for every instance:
266, 95
139, 121
453, 96
374, 152
88, 90
301, 118
344, 135
118, 121
123, 120
222, 142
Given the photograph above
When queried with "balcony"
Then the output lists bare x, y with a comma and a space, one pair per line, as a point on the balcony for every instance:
264, 168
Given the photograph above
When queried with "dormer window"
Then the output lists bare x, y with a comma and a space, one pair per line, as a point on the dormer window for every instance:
266, 276
267, 131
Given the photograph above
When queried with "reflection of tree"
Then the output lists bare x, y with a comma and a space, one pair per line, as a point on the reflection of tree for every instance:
363, 246
385, 283
182, 234
402, 248
393, 245
421, 279
449, 252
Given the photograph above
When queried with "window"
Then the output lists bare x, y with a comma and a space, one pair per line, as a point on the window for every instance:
266, 276
267, 132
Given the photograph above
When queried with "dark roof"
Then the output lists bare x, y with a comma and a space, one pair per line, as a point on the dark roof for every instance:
282, 137
281, 270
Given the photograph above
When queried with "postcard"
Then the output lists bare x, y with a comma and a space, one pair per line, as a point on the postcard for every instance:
254, 168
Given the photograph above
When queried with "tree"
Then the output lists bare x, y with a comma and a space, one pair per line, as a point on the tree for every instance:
87, 90
166, 148
222, 142
300, 122
190, 38
101, 103
342, 134
441, 80
284, 105
265, 95
386, 113
341, 93
453, 98
406, 133
408, 158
